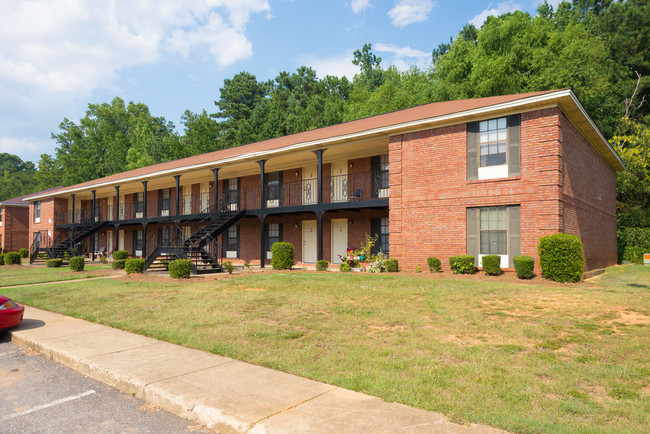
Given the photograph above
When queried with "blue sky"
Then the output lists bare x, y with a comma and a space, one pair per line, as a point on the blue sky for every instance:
56, 56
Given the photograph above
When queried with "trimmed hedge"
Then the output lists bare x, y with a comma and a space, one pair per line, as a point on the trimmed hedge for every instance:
524, 266
2, 258
135, 265
180, 268
282, 256
228, 266
23, 252
322, 265
462, 264
12, 258
434, 265
491, 265
53, 263
118, 264
345, 267
560, 256
119, 255
77, 263
392, 265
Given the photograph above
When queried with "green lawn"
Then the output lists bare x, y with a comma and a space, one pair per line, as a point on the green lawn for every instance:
26, 275
522, 357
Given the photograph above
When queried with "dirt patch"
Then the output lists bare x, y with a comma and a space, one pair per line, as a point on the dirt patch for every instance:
630, 318
7, 377
150, 408
597, 392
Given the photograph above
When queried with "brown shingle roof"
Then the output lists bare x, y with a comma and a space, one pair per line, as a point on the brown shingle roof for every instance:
19, 201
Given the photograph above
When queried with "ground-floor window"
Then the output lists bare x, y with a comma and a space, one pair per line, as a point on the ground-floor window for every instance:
380, 228
231, 242
137, 242
494, 230
273, 234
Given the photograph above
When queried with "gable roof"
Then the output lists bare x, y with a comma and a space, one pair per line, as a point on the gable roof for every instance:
424, 115
21, 200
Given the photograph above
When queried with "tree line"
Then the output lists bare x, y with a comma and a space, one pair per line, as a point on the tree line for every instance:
598, 48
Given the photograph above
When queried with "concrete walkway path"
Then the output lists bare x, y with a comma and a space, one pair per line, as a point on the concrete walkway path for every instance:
224, 394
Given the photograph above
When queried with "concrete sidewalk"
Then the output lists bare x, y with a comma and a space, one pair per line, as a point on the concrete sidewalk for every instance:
224, 394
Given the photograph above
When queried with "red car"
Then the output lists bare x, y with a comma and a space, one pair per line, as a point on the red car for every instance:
11, 313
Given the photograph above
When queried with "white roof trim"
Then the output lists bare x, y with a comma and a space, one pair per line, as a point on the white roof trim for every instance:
357, 135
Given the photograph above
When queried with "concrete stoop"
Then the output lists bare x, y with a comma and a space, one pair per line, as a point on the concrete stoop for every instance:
224, 394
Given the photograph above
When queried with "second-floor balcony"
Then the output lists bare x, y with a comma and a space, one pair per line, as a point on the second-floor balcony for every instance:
357, 187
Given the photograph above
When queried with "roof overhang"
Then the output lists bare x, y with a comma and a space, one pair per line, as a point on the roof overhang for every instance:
564, 98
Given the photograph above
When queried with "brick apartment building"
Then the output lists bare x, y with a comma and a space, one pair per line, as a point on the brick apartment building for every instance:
14, 224
479, 176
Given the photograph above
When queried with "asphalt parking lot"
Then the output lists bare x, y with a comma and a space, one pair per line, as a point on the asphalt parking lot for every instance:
38, 395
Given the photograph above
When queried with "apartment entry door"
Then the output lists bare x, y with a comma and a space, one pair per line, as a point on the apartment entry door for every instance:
309, 185
339, 239
339, 181
309, 241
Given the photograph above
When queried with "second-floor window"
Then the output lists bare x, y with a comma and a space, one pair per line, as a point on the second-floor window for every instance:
1, 216
37, 211
492, 142
494, 148
273, 190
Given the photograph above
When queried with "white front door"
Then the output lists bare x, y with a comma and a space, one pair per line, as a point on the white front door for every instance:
109, 241
339, 181
309, 185
309, 241
339, 239
120, 240
205, 196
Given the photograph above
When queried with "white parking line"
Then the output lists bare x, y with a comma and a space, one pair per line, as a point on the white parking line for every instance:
44, 406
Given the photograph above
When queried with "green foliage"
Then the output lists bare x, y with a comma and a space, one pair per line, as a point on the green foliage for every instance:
491, 265
118, 264
180, 268
16, 176
12, 258
322, 265
53, 263
121, 255
228, 266
434, 265
462, 264
134, 265
345, 267
392, 265
524, 266
23, 252
633, 243
282, 256
2, 258
560, 256
77, 263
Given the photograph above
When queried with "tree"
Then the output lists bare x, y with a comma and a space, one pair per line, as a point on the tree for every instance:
201, 133
16, 176
370, 64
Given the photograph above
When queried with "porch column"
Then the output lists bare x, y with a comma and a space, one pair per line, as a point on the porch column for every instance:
117, 203
319, 212
262, 216
144, 237
319, 156
73, 206
144, 199
92, 216
178, 195
216, 188
319, 234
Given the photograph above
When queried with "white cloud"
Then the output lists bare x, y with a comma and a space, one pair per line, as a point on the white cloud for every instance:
359, 6
501, 8
338, 66
404, 57
12, 145
407, 12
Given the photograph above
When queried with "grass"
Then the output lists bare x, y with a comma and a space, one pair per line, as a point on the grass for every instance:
12, 275
522, 357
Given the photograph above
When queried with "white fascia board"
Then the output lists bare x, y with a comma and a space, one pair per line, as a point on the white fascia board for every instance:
330, 140
12, 204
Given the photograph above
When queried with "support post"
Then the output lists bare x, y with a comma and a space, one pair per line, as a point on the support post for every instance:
117, 203
144, 200
178, 195
73, 209
319, 212
216, 188
92, 216
262, 216
144, 239
319, 234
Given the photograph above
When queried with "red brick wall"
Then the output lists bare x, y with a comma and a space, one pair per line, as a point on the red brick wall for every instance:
588, 197
429, 192
15, 228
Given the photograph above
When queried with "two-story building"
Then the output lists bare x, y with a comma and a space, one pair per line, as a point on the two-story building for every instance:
479, 176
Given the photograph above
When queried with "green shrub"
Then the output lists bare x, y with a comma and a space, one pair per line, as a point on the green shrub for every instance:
560, 256
434, 265
524, 266
462, 264
345, 267
119, 255
2, 259
322, 265
392, 265
12, 258
491, 265
180, 268
228, 267
632, 244
281, 256
53, 263
23, 252
77, 263
134, 265
118, 264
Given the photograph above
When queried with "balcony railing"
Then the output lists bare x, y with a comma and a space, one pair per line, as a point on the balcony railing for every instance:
336, 189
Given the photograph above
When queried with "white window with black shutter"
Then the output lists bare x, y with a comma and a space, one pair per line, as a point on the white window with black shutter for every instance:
379, 228
138, 242
494, 230
272, 235
231, 194
37, 211
379, 168
494, 148
273, 189
231, 242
